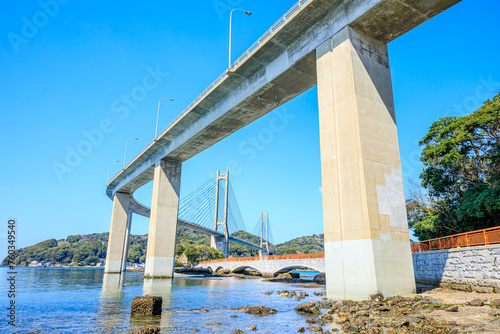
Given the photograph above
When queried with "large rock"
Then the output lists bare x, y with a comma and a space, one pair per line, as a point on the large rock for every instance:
309, 308
146, 306
288, 275
251, 272
320, 278
315, 328
223, 271
193, 270
257, 310
476, 302
146, 330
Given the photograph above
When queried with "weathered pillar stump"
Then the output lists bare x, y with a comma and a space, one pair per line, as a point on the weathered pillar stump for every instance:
146, 306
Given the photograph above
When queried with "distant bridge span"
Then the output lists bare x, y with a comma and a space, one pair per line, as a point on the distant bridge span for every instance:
146, 212
269, 265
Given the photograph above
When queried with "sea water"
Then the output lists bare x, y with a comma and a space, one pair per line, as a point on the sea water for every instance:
62, 300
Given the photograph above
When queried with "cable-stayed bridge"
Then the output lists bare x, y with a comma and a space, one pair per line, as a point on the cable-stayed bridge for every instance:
212, 209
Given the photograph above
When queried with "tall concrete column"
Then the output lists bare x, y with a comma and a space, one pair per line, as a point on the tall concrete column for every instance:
367, 246
160, 255
221, 243
126, 244
118, 233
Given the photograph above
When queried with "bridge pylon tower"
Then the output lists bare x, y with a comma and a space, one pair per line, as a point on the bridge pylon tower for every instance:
264, 242
220, 216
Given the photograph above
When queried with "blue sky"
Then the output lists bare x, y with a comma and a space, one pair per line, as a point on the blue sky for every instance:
67, 76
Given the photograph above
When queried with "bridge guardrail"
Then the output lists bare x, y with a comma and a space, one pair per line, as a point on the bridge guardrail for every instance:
270, 257
296, 7
475, 238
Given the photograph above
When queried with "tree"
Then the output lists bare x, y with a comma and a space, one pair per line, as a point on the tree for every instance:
460, 188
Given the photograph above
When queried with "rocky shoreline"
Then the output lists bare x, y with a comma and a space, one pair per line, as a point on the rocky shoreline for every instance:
437, 310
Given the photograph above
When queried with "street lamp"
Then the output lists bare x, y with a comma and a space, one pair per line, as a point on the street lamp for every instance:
125, 155
230, 23
158, 114
109, 166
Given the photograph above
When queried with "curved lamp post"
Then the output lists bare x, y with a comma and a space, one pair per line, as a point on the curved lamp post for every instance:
109, 167
125, 155
230, 24
158, 114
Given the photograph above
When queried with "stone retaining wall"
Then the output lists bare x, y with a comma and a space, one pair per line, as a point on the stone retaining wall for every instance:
470, 269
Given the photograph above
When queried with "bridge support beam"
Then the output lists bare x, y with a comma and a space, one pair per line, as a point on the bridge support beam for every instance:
367, 246
220, 243
126, 243
160, 254
118, 233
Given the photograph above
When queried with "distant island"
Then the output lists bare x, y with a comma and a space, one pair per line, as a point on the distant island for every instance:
191, 248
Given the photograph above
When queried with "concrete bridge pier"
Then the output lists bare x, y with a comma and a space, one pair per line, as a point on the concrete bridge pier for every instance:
220, 243
160, 255
126, 243
367, 247
263, 253
118, 234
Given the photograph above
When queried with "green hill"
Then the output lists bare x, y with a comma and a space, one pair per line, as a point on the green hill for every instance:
90, 249
302, 245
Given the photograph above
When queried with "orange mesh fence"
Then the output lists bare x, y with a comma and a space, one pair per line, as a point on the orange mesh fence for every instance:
475, 238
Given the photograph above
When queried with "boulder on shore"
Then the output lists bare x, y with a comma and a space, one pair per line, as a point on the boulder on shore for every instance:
193, 270
146, 306
288, 275
320, 278
146, 330
315, 329
476, 302
223, 271
257, 310
310, 308
252, 272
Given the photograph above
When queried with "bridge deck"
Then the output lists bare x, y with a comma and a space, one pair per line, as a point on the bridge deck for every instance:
276, 68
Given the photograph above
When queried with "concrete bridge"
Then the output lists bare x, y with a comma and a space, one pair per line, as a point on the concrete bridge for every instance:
340, 46
269, 266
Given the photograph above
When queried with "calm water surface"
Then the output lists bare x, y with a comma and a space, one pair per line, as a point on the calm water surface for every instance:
57, 300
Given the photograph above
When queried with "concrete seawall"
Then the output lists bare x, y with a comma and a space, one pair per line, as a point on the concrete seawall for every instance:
470, 269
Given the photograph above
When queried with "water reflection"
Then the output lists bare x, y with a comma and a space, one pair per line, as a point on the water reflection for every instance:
159, 287
112, 286
112, 303
65, 300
